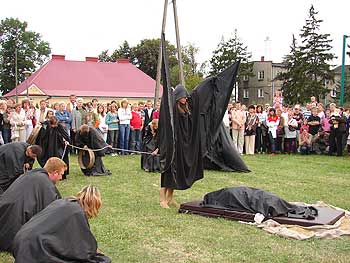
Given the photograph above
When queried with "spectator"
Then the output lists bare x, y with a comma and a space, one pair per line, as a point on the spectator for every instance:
321, 143
261, 130
290, 127
305, 140
78, 118
250, 128
313, 100
136, 124
321, 112
124, 114
307, 111
336, 135
155, 114
280, 131
18, 123
226, 119
56, 107
102, 127
7, 126
314, 124
2, 111
326, 126
238, 121
148, 112
113, 126
64, 117
277, 99
94, 103
72, 103
91, 118
29, 114
272, 123
41, 113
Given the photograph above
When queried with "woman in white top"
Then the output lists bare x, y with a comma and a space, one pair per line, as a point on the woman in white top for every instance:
102, 127
124, 114
290, 133
18, 124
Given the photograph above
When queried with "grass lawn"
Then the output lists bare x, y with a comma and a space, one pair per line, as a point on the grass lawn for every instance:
131, 226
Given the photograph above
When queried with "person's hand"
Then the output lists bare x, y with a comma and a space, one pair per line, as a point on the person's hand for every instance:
26, 166
74, 130
155, 152
85, 147
65, 142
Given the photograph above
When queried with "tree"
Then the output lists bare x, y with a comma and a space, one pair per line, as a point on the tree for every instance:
31, 51
315, 48
227, 53
104, 56
293, 86
124, 51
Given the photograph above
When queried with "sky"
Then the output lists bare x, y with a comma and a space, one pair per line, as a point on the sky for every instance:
79, 29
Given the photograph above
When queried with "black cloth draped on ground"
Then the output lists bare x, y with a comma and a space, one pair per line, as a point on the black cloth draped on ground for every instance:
93, 140
27, 196
59, 233
12, 159
149, 162
254, 200
223, 155
51, 140
184, 138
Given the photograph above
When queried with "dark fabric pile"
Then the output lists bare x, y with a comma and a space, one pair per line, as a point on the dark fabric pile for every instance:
12, 160
59, 233
27, 196
254, 200
93, 140
51, 140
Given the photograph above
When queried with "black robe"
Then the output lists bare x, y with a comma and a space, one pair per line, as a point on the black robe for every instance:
248, 199
93, 140
223, 155
27, 196
60, 233
12, 159
51, 140
149, 162
184, 138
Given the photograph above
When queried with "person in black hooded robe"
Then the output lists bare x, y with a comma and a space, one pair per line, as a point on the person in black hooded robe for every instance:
27, 196
150, 162
61, 232
88, 137
188, 127
15, 159
53, 139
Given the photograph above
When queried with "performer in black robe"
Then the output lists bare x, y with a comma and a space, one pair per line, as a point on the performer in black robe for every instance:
61, 232
15, 159
53, 138
27, 196
150, 163
248, 199
188, 127
90, 138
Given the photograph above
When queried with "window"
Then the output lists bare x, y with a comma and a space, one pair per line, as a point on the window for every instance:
245, 78
245, 94
261, 75
260, 93
333, 93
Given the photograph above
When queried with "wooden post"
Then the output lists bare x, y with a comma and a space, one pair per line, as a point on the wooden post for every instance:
181, 71
159, 63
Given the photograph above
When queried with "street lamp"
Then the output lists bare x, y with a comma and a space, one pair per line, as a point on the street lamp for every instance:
342, 83
27, 73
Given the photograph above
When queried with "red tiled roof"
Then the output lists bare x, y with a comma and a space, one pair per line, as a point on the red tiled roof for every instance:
60, 77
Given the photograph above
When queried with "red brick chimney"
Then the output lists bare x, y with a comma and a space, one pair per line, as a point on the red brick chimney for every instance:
58, 57
262, 58
91, 59
123, 60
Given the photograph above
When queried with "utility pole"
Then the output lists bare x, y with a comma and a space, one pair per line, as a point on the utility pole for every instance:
159, 65
342, 83
181, 71
16, 73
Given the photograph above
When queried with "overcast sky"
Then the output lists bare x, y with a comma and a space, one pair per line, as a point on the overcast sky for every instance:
77, 28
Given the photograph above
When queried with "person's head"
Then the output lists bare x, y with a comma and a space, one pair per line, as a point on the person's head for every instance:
33, 151
25, 104
62, 106
308, 106
154, 124
313, 99
320, 107
113, 107
134, 107
94, 102
290, 114
251, 109
238, 105
89, 199
18, 107
72, 98
259, 108
332, 107
49, 114
42, 104
229, 106
328, 113
89, 106
100, 109
243, 107
53, 121
56, 106
141, 105
297, 108
124, 103
84, 129
304, 129
158, 105
10, 103
279, 112
55, 167
3, 105
180, 94
267, 106
314, 111
80, 102
149, 104
272, 112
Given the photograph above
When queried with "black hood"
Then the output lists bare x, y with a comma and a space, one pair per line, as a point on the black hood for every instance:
180, 92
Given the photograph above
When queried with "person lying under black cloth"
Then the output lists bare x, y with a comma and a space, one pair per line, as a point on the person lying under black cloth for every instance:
61, 232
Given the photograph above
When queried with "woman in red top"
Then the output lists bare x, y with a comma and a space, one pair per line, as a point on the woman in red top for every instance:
136, 125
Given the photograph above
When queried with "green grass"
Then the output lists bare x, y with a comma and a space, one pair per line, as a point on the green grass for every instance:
132, 227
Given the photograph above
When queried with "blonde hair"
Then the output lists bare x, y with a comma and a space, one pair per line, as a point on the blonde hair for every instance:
54, 164
90, 200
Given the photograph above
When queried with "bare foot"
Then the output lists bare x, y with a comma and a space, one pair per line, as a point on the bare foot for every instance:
173, 203
164, 204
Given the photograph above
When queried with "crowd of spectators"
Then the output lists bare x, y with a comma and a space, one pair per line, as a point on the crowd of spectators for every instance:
313, 129
121, 124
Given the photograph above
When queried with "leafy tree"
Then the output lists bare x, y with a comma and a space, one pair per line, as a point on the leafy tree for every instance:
124, 51
104, 56
31, 50
228, 52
